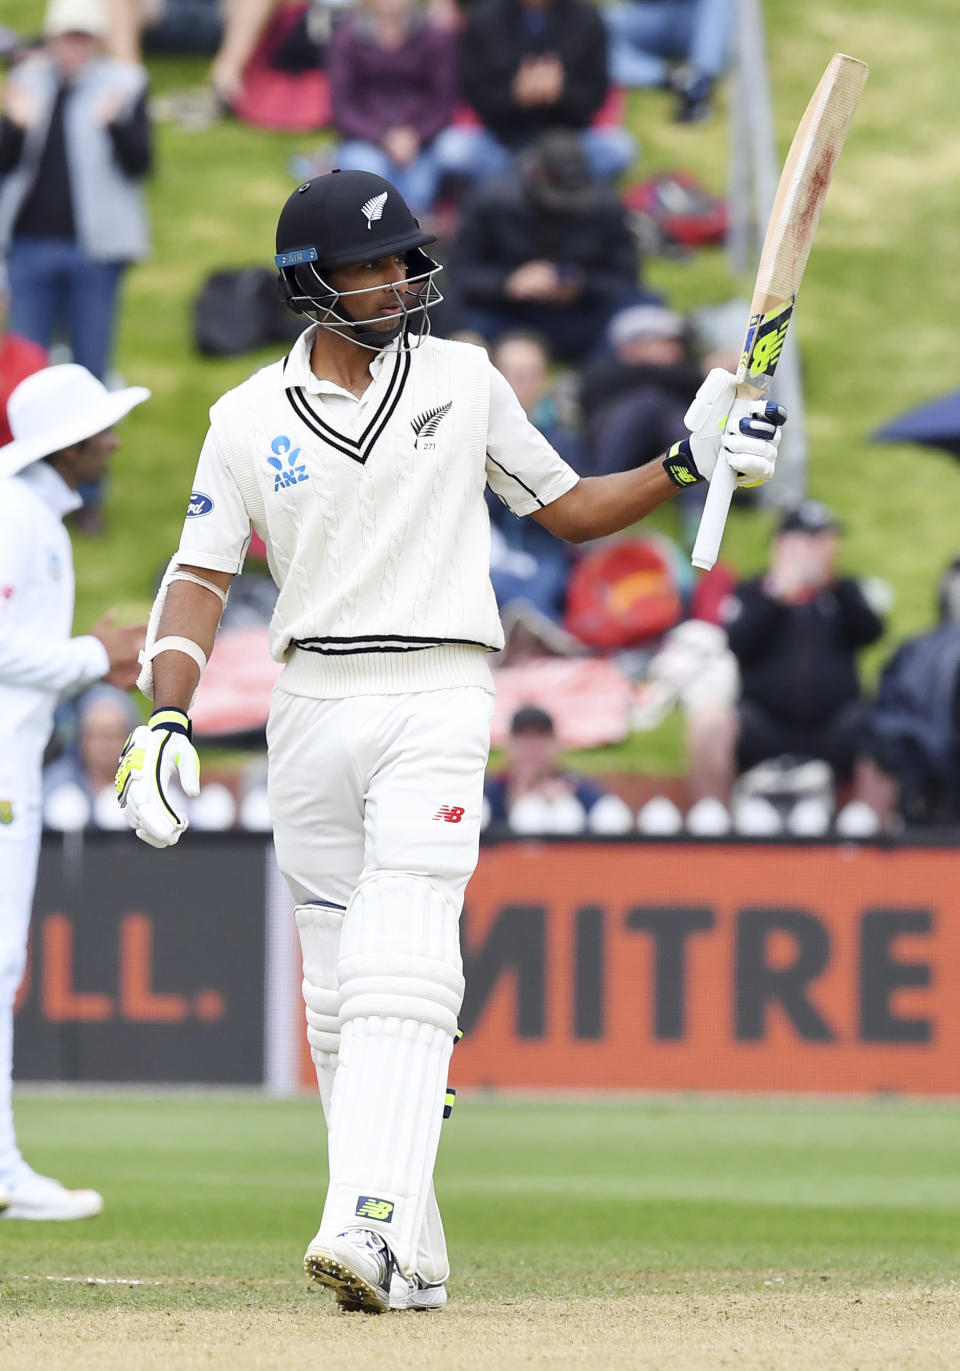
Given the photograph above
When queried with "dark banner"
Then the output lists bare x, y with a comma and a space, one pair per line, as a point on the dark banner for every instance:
144, 965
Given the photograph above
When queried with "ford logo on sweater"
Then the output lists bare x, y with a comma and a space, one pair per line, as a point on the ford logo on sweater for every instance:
199, 505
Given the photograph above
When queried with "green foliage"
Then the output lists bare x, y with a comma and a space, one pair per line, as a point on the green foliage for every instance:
214, 1199
875, 318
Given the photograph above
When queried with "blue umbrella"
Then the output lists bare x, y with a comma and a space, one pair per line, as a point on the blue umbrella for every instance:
934, 425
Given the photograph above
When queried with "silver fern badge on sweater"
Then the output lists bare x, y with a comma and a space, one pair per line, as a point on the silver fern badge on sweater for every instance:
425, 425
373, 208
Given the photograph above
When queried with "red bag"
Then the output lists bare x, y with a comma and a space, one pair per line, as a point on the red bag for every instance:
622, 594
298, 102
682, 209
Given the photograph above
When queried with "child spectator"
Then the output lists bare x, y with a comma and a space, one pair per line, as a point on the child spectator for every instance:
533, 795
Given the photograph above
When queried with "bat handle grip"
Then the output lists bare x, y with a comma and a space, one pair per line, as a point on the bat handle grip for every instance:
714, 517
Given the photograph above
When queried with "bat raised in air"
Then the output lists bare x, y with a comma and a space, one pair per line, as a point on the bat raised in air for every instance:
793, 221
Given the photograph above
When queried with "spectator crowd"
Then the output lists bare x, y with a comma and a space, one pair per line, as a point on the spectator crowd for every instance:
501, 122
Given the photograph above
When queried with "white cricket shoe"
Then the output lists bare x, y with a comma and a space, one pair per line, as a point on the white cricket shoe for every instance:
357, 1266
41, 1197
410, 1292
4, 1198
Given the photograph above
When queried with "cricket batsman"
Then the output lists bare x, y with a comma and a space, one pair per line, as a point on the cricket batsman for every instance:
62, 424
361, 460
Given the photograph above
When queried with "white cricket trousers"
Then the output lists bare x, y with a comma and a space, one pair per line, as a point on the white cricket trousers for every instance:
377, 783
376, 804
19, 852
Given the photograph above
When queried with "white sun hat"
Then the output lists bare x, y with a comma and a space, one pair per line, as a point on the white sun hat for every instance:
76, 16
57, 407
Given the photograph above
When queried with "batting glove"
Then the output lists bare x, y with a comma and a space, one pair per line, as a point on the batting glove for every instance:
148, 760
747, 431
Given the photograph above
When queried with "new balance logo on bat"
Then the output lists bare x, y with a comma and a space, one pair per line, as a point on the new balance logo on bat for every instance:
450, 814
425, 425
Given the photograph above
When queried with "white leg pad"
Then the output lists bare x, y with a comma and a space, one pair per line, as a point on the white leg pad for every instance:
433, 1264
401, 986
319, 928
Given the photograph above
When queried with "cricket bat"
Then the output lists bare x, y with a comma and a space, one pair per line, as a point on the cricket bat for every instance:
793, 221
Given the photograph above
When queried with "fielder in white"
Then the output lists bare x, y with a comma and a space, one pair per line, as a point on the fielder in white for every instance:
361, 460
62, 423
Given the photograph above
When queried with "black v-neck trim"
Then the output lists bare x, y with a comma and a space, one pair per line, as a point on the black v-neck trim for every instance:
359, 449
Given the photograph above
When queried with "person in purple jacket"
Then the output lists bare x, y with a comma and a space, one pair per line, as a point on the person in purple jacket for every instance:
392, 87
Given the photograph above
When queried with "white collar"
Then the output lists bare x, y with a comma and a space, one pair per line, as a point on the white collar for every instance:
53, 490
297, 370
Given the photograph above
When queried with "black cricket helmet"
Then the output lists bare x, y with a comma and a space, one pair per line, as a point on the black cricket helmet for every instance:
343, 219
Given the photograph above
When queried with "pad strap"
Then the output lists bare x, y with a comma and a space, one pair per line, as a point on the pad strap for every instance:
173, 643
180, 575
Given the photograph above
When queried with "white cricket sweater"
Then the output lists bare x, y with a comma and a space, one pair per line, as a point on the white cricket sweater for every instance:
372, 512
39, 661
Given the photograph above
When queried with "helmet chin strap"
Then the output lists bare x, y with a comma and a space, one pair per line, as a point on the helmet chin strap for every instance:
368, 337
330, 311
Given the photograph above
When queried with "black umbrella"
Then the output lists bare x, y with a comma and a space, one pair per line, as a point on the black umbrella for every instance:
934, 425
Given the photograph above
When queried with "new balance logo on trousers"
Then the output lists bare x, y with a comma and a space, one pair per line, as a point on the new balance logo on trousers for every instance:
450, 814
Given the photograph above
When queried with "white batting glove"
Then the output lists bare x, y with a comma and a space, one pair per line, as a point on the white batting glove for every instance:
148, 760
747, 431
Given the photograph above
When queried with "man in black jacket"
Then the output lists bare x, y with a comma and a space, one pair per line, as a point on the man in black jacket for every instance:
795, 633
527, 66
545, 247
638, 394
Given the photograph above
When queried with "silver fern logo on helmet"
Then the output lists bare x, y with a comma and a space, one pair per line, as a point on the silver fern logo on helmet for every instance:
373, 208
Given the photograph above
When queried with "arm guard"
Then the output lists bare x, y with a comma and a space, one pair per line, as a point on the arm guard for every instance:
155, 645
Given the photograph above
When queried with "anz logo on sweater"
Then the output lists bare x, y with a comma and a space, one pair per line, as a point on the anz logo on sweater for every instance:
425, 425
290, 471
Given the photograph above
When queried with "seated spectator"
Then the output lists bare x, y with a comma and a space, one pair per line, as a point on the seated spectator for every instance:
78, 788
795, 632
545, 247
74, 146
914, 725
392, 76
647, 36
163, 26
230, 30
527, 66
634, 400
533, 795
529, 566
19, 358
